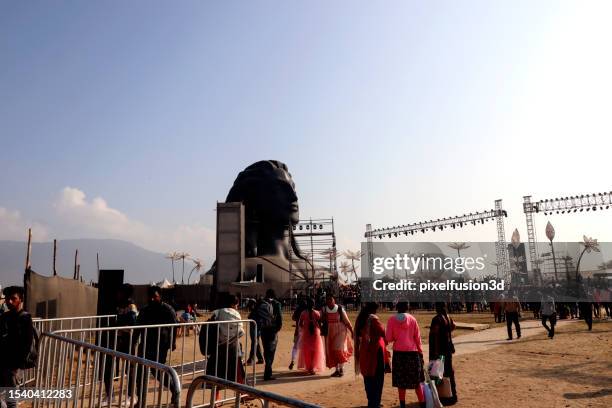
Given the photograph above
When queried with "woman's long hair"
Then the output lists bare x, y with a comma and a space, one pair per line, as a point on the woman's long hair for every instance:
309, 307
367, 309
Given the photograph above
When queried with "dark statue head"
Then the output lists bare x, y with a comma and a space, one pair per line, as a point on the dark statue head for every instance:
268, 193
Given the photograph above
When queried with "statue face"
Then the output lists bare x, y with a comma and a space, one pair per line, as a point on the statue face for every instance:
268, 192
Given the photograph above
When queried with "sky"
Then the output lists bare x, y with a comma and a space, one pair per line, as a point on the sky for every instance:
130, 120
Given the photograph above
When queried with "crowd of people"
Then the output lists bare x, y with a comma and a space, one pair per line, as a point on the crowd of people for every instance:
324, 338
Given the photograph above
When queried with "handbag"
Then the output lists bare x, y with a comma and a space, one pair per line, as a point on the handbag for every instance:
444, 388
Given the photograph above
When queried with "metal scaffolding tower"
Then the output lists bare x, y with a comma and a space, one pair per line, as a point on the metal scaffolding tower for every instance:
529, 209
500, 246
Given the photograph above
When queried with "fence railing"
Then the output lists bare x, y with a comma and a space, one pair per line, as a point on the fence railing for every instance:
242, 393
76, 322
225, 345
85, 369
59, 323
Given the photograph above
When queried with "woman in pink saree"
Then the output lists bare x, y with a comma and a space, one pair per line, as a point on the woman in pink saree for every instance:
310, 343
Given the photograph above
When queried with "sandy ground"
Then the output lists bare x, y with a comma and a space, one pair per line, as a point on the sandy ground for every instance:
573, 370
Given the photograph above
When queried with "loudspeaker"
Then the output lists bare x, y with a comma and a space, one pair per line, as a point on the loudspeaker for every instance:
109, 282
260, 273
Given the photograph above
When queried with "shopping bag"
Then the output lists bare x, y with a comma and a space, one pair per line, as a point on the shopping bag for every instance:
427, 394
433, 392
444, 388
436, 368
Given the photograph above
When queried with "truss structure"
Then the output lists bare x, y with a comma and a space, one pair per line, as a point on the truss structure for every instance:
497, 214
559, 205
316, 240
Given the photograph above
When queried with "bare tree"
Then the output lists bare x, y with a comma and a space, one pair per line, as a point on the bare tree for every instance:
353, 256
197, 266
183, 256
173, 256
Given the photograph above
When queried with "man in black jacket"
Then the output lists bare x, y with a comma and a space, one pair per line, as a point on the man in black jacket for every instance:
155, 312
16, 337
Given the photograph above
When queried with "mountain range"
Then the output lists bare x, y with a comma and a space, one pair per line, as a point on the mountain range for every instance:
140, 265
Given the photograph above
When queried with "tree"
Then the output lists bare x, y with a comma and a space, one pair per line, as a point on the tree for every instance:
197, 266
182, 256
331, 254
353, 256
173, 256
344, 268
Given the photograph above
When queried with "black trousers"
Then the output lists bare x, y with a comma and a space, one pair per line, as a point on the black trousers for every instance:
269, 339
374, 384
586, 312
513, 317
553, 321
123, 346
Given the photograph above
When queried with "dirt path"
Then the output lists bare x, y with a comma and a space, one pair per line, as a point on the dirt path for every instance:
289, 382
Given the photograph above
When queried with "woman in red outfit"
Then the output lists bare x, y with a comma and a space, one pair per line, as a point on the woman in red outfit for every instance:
370, 352
310, 344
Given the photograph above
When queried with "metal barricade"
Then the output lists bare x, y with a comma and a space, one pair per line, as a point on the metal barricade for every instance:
51, 325
225, 345
84, 370
68, 323
210, 385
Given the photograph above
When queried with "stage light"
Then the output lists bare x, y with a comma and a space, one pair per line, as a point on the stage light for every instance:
581, 209
406, 233
423, 230
389, 235
588, 208
563, 212
453, 226
301, 227
308, 227
607, 206
320, 226
594, 208
557, 211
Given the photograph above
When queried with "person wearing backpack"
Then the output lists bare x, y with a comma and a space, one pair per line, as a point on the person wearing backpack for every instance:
269, 319
18, 340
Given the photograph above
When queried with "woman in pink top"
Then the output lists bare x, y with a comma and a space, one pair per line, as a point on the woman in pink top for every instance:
407, 365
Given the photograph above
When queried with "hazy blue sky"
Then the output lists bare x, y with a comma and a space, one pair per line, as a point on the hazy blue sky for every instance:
131, 119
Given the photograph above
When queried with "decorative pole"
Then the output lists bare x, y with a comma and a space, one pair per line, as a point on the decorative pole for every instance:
54, 256
550, 234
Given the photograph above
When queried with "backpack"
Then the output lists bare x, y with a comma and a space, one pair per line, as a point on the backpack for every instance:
208, 338
264, 316
31, 358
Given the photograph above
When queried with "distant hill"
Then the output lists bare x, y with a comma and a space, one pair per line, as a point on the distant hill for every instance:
140, 265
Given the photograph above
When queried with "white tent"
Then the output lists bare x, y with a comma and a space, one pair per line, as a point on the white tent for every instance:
165, 284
